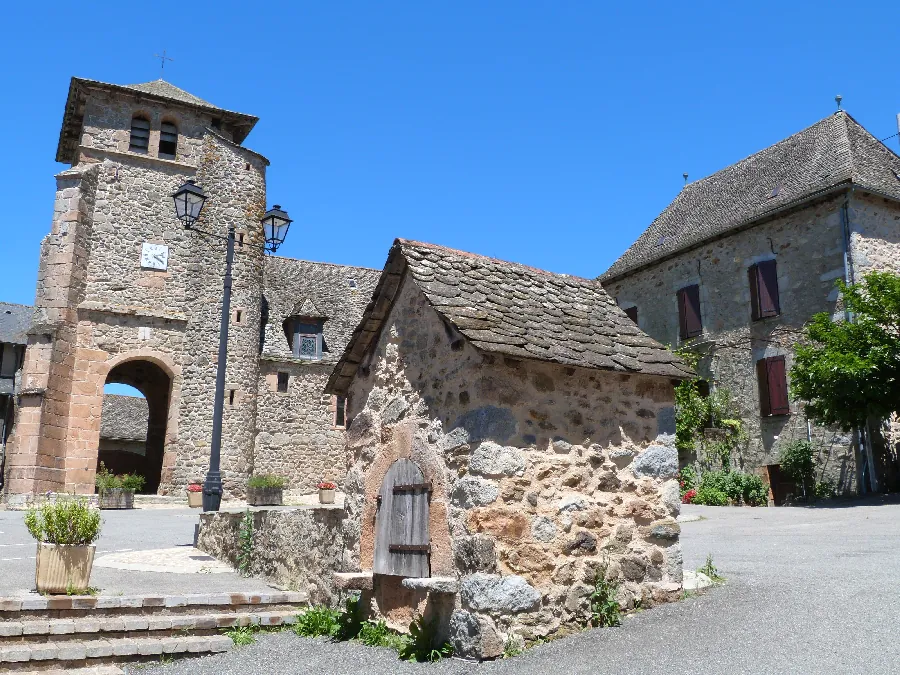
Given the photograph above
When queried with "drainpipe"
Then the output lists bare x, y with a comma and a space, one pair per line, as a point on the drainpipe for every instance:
862, 433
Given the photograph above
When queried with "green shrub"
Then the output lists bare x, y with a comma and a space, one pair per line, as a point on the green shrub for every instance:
377, 634
317, 622
421, 645
708, 496
825, 489
718, 488
242, 636
133, 482
266, 480
687, 479
66, 521
106, 480
604, 606
350, 621
798, 461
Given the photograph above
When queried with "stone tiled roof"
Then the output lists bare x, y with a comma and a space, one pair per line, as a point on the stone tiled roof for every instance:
15, 320
511, 309
831, 155
70, 133
337, 293
124, 418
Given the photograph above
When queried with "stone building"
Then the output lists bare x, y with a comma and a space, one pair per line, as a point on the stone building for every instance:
123, 434
510, 438
126, 295
737, 264
14, 322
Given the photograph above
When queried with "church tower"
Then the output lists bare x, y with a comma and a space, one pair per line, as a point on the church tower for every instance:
126, 295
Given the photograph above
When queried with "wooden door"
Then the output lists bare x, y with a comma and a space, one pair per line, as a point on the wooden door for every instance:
402, 545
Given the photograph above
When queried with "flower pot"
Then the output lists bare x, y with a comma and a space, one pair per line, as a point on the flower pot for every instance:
117, 498
59, 567
195, 500
326, 496
270, 496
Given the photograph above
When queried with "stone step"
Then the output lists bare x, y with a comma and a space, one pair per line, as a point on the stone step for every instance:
79, 653
111, 627
89, 670
60, 607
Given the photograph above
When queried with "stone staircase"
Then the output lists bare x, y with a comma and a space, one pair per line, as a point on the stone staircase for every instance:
89, 635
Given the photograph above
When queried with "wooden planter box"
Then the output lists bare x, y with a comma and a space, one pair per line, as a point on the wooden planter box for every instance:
195, 499
265, 496
59, 567
326, 496
117, 498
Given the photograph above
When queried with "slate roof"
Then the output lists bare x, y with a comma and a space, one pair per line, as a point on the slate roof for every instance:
827, 157
15, 320
160, 90
511, 309
124, 418
303, 288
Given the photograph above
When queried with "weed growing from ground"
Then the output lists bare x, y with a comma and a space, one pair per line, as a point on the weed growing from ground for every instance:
710, 570
242, 636
422, 643
245, 544
604, 606
90, 590
512, 648
317, 622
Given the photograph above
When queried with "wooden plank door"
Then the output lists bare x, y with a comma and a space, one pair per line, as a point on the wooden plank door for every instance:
402, 543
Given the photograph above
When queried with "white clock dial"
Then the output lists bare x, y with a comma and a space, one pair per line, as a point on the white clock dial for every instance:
155, 256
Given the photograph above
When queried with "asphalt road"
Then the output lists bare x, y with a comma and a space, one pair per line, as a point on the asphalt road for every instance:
132, 530
809, 590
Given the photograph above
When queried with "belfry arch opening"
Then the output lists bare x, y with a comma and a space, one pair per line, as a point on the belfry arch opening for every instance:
133, 427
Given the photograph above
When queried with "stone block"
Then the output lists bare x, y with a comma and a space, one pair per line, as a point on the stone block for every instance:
491, 459
125, 646
150, 647
471, 491
543, 529
359, 581
657, 461
71, 650
474, 636
62, 627
98, 649
475, 553
498, 594
437, 585
10, 628
136, 623
36, 627
487, 422
15, 653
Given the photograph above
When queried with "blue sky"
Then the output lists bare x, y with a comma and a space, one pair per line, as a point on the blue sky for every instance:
545, 133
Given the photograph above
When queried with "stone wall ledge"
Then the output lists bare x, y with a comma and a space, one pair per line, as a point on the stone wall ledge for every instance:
134, 157
353, 581
435, 585
288, 507
128, 310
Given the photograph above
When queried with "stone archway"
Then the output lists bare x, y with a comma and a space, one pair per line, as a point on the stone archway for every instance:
156, 385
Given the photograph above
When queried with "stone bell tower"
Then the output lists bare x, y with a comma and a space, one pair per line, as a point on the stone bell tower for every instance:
125, 295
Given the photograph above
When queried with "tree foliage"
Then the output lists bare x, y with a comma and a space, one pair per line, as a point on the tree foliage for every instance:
848, 371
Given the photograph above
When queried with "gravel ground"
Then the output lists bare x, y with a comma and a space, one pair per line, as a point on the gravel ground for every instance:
132, 530
809, 590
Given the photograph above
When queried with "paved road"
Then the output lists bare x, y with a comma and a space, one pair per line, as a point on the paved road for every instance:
809, 591
132, 530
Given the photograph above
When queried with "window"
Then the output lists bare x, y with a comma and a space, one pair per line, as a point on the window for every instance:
340, 412
764, 301
773, 389
283, 381
140, 134
631, 312
168, 140
689, 321
305, 337
231, 396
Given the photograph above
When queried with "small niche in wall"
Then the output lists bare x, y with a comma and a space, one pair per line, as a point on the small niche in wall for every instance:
284, 380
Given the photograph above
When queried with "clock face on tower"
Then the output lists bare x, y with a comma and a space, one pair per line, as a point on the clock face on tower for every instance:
155, 256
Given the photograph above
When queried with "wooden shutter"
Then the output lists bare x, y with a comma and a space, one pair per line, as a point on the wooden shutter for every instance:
768, 289
689, 320
632, 314
402, 543
753, 280
773, 390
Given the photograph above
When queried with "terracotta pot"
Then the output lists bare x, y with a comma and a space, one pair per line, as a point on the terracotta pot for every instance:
59, 567
117, 498
326, 496
195, 500
270, 496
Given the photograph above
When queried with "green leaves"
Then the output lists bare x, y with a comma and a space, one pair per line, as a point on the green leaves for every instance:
245, 544
847, 371
66, 521
604, 606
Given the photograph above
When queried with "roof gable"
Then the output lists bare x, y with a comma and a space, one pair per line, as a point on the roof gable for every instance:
511, 309
832, 154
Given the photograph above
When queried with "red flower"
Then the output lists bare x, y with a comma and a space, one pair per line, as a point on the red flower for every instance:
327, 485
688, 497
195, 487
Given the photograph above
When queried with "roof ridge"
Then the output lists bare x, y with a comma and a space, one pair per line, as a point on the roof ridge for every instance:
321, 262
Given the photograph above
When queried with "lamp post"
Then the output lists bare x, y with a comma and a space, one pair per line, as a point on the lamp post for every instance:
189, 201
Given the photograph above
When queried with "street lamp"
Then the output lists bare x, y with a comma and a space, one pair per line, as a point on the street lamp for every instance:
189, 201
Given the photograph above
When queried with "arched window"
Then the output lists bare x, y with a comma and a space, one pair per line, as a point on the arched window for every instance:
168, 140
140, 134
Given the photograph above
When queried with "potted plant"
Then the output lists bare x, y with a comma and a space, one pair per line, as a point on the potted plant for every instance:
265, 490
117, 492
65, 531
195, 494
326, 492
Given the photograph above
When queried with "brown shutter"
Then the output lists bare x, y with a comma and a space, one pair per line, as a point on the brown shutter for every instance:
632, 314
778, 390
762, 377
689, 311
768, 289
753, 280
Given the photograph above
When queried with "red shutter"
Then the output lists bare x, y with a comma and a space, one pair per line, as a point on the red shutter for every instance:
778, 390
762, 378
632, 314
753, 279
689, 311
768, 289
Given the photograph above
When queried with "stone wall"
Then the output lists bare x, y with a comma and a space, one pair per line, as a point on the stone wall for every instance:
294, 548
542, 476
809, 250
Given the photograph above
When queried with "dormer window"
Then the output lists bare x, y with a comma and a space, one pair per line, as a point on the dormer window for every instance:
304, 335
140, 134
168, 140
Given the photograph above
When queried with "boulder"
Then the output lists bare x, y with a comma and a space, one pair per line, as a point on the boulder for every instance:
499, 595
394, 411
475, 553
474, 637
543, 529
507, 523
471, 491
491, 459
583, 542
671, 497
657, 461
